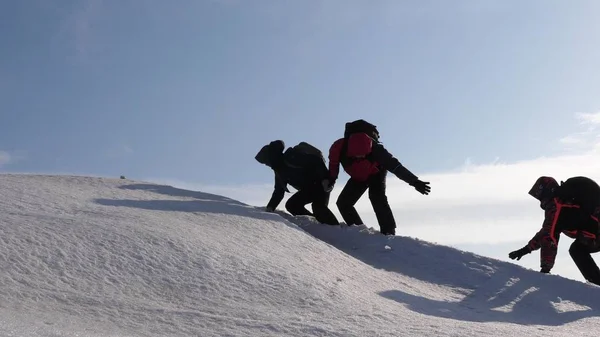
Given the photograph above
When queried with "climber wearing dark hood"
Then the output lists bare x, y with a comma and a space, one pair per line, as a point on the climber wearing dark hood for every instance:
571, 208
302, 168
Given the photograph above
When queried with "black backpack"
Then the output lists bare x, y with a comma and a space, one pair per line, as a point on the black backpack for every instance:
363, 126
303, 155
581, 191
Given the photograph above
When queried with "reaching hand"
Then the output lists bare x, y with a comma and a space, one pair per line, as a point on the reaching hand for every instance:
269, 209
421, 186
519, 253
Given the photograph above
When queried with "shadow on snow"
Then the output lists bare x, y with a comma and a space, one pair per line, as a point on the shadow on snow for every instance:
491, 290
200, 202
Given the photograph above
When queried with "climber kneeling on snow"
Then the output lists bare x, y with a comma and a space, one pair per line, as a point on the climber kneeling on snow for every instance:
367, 162
302, 167
572, 208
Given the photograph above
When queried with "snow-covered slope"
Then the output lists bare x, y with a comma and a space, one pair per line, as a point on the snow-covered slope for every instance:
85, 256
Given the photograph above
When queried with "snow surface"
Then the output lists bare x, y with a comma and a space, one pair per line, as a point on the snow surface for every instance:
84, 256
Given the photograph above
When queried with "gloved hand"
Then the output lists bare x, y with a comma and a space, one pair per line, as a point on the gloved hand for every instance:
421, 186
519, 253
545, 270
269, 209
327, 185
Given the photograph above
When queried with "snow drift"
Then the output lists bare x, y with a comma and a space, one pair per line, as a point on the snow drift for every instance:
83, 256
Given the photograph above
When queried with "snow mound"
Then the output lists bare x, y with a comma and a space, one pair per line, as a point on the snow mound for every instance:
83, 256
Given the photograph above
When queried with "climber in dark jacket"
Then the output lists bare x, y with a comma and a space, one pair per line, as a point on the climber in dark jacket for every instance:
309, 179
571, 208
367, 162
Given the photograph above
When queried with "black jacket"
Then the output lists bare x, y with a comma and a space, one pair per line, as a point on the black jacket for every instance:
309, 175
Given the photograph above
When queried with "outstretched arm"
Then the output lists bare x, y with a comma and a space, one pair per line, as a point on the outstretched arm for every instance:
545, 239
392, 164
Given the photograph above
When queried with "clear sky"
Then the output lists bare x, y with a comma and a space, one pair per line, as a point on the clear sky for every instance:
188, 93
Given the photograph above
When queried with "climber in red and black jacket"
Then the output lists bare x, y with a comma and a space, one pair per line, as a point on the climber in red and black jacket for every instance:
571, 208
367, 162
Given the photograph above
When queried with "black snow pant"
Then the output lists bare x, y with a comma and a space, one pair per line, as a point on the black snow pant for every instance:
581, 252
320, 204
354, 190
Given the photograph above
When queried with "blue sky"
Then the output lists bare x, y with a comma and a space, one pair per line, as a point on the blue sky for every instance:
189, 93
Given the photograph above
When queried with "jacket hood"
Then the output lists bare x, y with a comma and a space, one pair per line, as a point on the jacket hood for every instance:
269, 153
544, 188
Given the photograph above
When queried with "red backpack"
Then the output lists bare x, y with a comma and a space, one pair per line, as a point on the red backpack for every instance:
359, 137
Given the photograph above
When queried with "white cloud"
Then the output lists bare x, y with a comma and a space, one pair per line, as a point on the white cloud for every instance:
588, 138
575, 139
589, 118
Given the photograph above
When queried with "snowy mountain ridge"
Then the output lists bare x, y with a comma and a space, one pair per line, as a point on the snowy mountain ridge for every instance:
90, 256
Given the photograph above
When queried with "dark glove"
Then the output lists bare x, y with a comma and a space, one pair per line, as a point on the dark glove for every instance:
269, 209
545, 270
421, 186
518, 254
